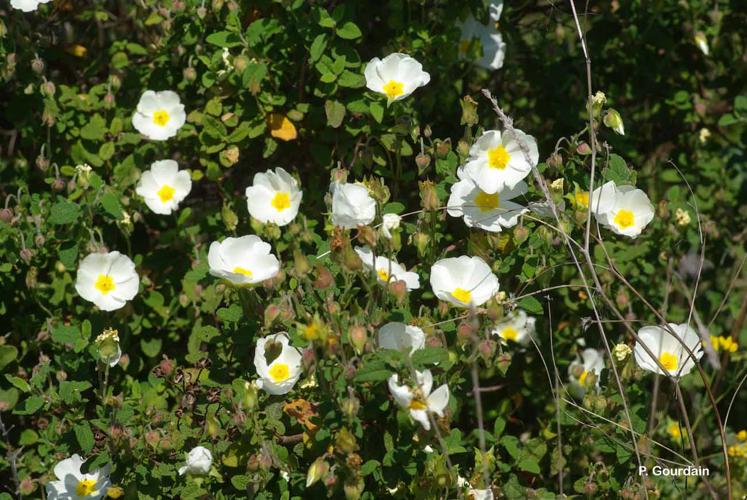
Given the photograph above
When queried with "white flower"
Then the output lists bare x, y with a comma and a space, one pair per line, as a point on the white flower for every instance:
281, 374
495, 8
516, 327
490, 212
73, 484
242, 261
419, 400
396, 76
164, 186
496, 159
401, 337
463, 281
389, 222
199, 461
472, 493
274, 197
592, 362
351, 205
387, 270
27, 5
624, 209
667, 349
108, 280
159, 115
491, 44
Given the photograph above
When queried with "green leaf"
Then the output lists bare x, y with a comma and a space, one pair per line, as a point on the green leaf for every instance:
18, 382
68, 254
64, 213
317, 47
335, 111
529, 464
111, 204
71, 390
377, 111
349, 31
151, 347
530, 305
84, 435
373, 371
225, 39
430, 355
29, 406
95, 129
8, 354
618, 171
106, 151
69, 335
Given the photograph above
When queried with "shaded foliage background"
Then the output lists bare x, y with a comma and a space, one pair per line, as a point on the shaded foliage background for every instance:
71, 77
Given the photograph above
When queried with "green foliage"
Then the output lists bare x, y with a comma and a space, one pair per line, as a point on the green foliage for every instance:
281, 83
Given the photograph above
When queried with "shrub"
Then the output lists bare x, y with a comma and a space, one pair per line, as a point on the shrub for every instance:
287, 248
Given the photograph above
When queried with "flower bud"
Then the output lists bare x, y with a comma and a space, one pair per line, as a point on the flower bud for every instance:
345, 441
272, 312
250, 398
189, 73
26, 254
583, 149
37, 65
443, 148
230, 156
6, 215
367, 235
317, 470
555, 161
428, 195
469, 111
614, 121
58, 184
621, 352
42, 163
47, 89
324, 278
230, 219
353, 488
486, 349
107, 345
358, 337
422, 160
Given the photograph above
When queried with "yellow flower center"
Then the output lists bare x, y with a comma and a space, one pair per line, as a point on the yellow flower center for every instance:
462, 295
279, 372
674, 431
85, 487
464, 46
105, 284
281, 201
311, 331
668, 361
417, 404
486, 202
582, 377
383, 275
394, 89
166, 193
582, 199
624, 219
244, 271
498, 157
161, 117
510, 333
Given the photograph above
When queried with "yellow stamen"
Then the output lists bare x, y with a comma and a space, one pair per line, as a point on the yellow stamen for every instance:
279, 372
311, 331
462, 295
281, 201
161, 117
486, 202
498, 157
85, 487
394, 89
105, 284
244, 271
582, 377
510, 333
383, 275
668, 361
624, 219
417, 404
166, 193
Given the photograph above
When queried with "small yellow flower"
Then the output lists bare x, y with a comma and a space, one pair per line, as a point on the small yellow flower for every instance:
77, 50
723, 344
114, 492
742, 435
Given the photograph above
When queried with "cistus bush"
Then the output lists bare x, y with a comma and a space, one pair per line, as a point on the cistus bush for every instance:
407, 248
